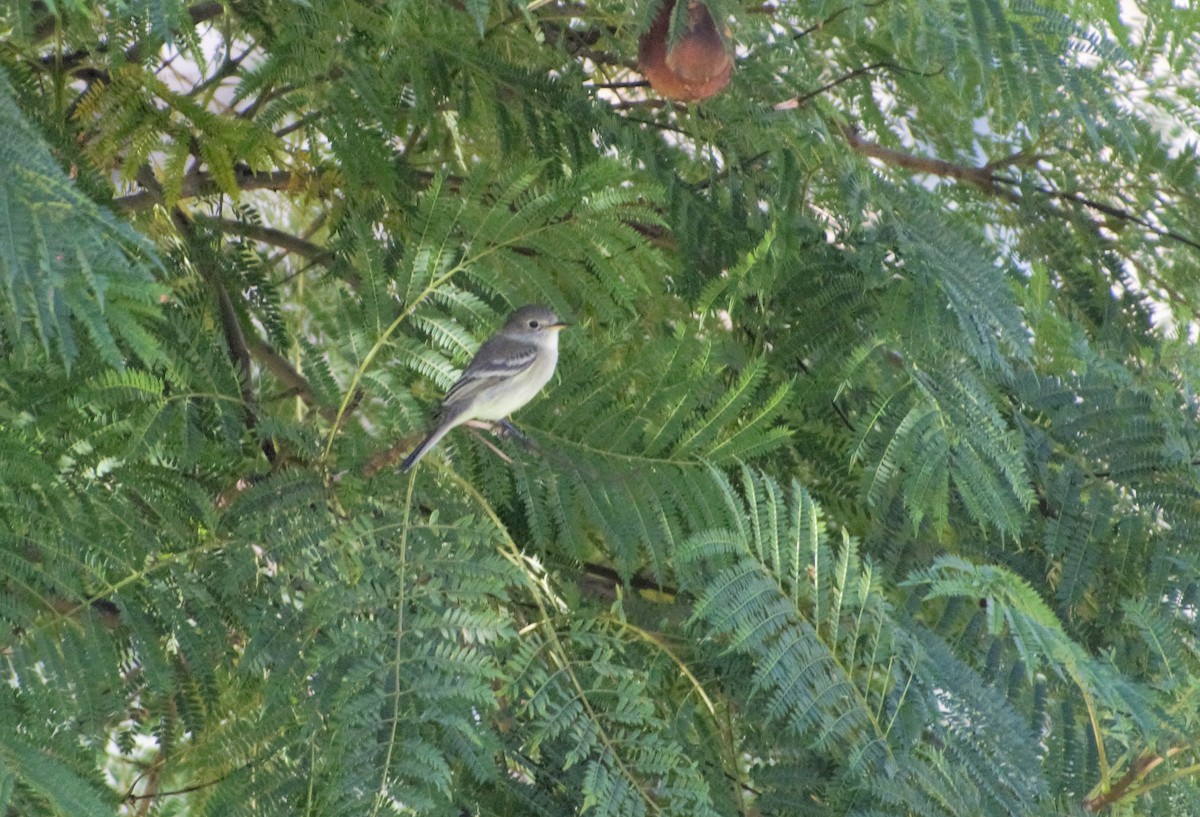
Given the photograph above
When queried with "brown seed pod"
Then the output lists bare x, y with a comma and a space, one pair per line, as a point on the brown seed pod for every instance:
697, 67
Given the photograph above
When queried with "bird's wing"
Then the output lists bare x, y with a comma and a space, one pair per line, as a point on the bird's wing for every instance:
498, 359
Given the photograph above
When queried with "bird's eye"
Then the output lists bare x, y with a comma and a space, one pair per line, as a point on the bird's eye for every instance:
533, 324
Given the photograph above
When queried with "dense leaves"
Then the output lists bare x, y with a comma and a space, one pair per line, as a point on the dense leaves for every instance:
867, 484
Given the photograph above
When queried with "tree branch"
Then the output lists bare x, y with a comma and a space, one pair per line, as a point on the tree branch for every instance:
1140, 768
231, 326
1115, 212
633, 83
297, 384
131, 797
203, 184
272, 236
200, 13
226, 69
301, 122
981, 177
987, 180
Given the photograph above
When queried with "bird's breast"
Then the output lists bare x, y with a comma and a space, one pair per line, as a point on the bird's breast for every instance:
506, 397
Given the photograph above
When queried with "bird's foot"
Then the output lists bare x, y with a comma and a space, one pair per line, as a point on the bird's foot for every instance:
505, 428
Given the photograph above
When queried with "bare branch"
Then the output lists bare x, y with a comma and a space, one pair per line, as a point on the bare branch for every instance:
633, 83
186, 789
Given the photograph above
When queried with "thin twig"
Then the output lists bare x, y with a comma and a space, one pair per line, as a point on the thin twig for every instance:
226, 69
801, 101
1118, 213
303, 121
260, 101
635, 104
189, 789
612, 86
492, 446
799, 35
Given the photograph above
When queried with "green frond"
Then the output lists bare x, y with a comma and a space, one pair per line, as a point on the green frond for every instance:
833, 665
972, 714
54, 781
164, 17
66, 265
594, 717
760, 605
935, 432
977, 290
1165, 654
1015, 610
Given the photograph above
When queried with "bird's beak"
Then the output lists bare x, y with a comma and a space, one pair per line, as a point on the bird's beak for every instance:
558, 327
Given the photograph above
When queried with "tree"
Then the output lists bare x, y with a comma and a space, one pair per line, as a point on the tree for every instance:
867, 485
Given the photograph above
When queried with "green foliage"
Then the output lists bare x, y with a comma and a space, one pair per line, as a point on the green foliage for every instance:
55, 781
864, 695
67, 266
866, 485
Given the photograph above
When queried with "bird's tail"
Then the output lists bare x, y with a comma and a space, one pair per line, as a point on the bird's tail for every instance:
429, 442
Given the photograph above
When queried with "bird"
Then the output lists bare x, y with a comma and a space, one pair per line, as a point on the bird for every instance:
508, 371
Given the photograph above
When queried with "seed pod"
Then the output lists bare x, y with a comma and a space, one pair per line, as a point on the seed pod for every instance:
697, 67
